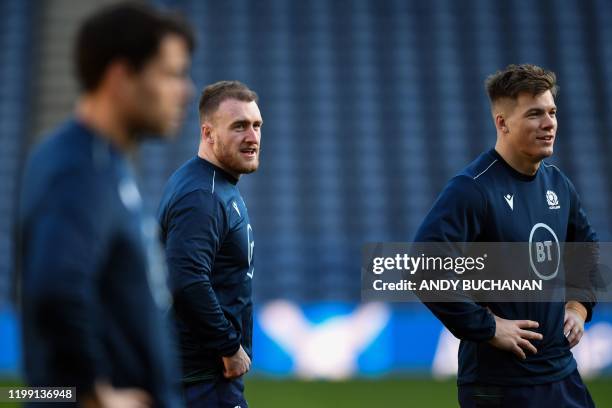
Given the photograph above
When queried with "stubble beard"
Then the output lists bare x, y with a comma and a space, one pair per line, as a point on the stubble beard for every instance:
232, 160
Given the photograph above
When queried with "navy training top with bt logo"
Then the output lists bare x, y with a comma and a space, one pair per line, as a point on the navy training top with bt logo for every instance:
489, 201
209, 245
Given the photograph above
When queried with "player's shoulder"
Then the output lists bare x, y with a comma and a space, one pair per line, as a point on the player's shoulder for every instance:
72, 149
470, 178
193, 180
71, 156
199, 175
69, 168
552, 170
557, 178
483, 167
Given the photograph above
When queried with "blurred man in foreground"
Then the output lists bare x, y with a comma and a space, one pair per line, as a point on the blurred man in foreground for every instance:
91, 292
514, 354
209, 245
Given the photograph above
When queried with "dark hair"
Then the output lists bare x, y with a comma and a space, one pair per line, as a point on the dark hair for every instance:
515, 79
214, 94
129, 31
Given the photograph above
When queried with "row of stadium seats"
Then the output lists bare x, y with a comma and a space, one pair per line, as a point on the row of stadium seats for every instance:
369, 107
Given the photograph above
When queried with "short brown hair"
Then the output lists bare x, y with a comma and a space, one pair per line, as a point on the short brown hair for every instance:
515, 79
214, 94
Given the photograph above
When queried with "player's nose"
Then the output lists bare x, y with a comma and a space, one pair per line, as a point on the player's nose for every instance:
548, 122
251, 135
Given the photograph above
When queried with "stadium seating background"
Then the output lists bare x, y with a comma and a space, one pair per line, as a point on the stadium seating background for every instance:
369, 107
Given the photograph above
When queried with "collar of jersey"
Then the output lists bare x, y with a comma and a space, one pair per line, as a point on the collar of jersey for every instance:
218, 170
512, 170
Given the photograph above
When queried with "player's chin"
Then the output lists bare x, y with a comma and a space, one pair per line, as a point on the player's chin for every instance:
249, 166
543, 152
547, 152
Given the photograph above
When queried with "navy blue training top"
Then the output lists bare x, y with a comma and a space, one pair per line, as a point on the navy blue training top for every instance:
92, 284
209, 245
489, 201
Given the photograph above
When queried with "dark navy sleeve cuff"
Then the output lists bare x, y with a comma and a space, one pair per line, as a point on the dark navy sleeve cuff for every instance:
229, 349
589, 308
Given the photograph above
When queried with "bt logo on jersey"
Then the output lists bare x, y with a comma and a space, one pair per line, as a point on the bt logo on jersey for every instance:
544, 251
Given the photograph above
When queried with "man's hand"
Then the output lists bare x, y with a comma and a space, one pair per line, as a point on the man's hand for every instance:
106, 396
236, 365
573, 324
513, 336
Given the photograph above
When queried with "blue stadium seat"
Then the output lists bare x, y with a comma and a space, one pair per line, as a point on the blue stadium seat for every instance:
369, 108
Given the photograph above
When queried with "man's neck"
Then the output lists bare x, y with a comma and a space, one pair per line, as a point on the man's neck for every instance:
209, 157
519, 163
99, 114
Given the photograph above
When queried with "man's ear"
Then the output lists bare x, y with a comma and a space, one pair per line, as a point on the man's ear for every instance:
502, 109
500, 123
118, 76
206, 133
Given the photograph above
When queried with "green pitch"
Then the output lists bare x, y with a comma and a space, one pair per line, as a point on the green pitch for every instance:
396, 392
400, 392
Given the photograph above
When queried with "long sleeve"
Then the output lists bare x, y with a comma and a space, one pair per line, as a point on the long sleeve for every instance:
456, 216
583, 255
195, 226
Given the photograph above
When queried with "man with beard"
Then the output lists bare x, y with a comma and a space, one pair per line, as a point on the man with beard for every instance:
209, 247
91, 292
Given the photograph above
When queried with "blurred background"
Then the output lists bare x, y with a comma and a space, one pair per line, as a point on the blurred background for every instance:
370, 106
